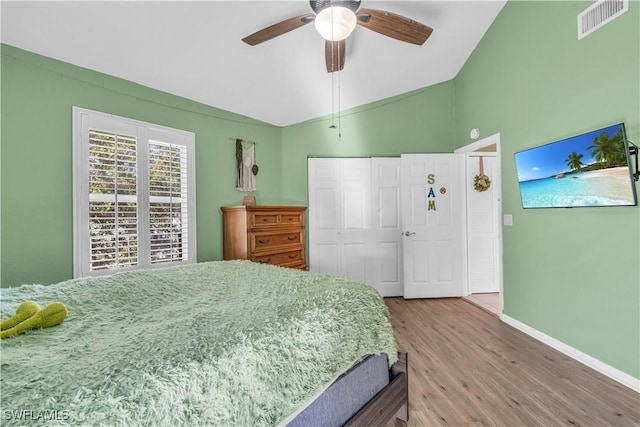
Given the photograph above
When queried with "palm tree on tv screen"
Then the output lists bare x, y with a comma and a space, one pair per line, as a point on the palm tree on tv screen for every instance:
573, 161
603, 148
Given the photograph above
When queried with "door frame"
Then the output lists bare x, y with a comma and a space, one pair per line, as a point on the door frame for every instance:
467, 150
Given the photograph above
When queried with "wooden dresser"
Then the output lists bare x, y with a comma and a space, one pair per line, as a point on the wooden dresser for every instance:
266, 234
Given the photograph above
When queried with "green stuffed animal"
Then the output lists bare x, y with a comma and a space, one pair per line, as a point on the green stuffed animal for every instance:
23, 312
30, 316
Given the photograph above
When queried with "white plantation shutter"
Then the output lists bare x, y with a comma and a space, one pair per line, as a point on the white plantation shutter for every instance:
134, 194
113, 200
168, 209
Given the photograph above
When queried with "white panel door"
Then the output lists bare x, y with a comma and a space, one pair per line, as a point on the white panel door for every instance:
433, 219
325, 220
385, 262
354, 220
482, 227
355, 235
339, 216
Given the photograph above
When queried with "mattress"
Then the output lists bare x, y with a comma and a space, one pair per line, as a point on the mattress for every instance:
347, 395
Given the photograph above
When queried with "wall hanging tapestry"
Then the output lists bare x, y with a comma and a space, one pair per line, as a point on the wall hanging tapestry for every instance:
246, 167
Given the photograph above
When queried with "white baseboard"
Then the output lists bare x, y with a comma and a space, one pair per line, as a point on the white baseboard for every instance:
613, 373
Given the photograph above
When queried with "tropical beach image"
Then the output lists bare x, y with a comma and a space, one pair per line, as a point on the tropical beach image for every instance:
591, 169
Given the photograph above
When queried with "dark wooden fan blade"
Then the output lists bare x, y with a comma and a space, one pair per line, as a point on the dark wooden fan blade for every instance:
395, 26
278, 29
334, 55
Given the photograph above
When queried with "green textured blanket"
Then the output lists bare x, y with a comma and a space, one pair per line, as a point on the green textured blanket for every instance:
219, 343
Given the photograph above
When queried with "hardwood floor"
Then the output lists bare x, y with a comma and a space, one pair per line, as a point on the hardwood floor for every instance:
466, 367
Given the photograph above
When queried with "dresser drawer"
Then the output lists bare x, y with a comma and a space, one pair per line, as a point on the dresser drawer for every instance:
281, 258
291, 218
273, 239
259, 219
262, 219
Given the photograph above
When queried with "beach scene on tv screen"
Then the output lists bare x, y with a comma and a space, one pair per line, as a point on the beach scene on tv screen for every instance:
586, 170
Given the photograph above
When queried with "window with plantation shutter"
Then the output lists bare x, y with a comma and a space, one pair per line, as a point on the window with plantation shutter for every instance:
134, 191
168, 212
113, 200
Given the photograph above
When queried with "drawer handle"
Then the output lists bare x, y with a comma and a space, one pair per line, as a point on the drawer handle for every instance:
289, 219
264, 240
293, 256
264, 261
292, 237
265, 219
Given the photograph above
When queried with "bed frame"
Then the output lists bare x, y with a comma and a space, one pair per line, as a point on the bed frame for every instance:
392, 401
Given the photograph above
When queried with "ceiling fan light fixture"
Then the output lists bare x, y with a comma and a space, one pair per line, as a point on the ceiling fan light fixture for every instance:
335, 23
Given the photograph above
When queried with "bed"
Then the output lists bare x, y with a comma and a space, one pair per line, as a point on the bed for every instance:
218, 343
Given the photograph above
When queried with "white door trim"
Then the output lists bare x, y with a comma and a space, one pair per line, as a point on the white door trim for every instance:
470, 151
481, 143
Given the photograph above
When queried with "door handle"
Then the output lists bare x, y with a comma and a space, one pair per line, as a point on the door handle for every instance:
409, 233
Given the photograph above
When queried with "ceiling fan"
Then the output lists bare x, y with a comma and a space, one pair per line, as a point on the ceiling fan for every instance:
335, 19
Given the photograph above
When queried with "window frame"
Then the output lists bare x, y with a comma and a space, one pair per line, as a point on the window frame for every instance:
144, 132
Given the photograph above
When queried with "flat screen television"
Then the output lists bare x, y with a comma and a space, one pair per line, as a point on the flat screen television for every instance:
590, 169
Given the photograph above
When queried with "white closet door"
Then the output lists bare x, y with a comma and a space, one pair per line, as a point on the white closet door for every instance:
339, 218
385, 271
355, 237
354, 220
482, 228
325, 207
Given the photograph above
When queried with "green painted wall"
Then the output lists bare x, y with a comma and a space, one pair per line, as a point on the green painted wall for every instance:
36, 180
570, 273
37, 96
414, 122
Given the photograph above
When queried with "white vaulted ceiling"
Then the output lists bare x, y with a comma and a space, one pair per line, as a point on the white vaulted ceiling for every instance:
194, 50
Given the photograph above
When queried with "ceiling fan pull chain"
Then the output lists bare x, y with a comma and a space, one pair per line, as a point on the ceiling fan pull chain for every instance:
333, 125
339, 110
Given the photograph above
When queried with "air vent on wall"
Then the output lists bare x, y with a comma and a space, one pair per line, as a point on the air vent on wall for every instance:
599, 14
